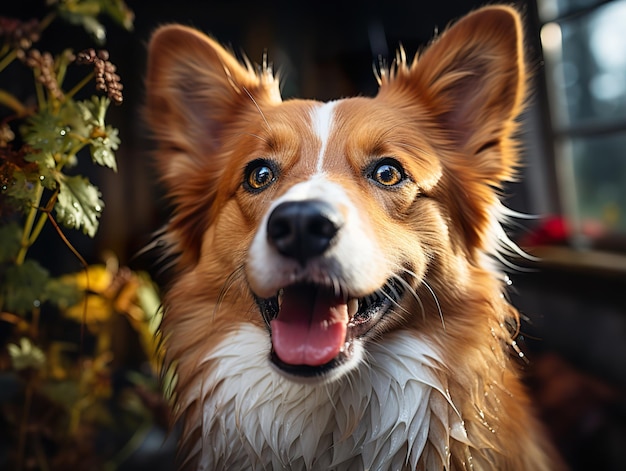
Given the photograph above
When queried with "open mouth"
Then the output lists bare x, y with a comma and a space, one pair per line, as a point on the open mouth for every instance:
314, 327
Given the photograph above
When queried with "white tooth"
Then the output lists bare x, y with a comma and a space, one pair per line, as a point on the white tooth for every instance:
353, 306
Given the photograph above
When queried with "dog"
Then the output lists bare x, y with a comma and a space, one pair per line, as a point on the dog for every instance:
338, 301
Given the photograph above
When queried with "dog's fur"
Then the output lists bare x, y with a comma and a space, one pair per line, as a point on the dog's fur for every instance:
390, 201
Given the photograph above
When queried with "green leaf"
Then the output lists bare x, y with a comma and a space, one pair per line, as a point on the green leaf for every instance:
103, 139
65, 392
23, 287
47, 173
85, 13
62, 292
21, 173
119, 12
102, 148
56, 138
79, 205
23, 189
48, 134
10, 235
94, 110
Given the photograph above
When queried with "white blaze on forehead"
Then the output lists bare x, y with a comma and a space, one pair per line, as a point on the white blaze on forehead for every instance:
354, 261
316, 187
322, 117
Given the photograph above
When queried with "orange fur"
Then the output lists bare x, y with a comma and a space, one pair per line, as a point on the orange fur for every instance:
449, 118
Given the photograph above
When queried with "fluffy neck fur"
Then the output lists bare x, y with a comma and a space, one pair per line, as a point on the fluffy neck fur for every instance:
394, 412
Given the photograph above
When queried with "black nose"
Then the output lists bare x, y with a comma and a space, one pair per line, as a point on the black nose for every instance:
303, 229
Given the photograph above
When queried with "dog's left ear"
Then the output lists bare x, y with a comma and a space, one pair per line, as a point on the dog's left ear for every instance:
472, 81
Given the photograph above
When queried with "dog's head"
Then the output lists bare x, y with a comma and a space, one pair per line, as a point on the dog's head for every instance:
332, 223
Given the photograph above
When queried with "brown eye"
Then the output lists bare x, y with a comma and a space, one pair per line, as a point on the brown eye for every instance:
388, 173
258, 175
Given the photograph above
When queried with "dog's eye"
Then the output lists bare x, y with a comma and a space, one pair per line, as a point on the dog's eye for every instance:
258, 175
388, 172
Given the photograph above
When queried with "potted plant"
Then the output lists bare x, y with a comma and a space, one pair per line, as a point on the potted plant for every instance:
64, 402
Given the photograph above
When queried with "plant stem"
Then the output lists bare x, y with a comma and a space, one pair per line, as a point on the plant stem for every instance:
28, 225
6, 60
41, 98
43, 218
21, 447
10, 101
79, 85
130, 447
49, 18
37, 230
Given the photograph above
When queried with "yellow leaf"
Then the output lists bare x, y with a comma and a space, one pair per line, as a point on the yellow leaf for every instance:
96, 311
96, 278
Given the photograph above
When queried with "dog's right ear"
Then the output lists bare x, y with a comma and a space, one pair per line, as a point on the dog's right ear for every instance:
196, 91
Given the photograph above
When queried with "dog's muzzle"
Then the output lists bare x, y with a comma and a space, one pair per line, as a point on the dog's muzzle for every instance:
315, 320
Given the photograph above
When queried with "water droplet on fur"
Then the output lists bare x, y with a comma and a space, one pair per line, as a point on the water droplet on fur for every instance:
62, 132
42, 178
98, 208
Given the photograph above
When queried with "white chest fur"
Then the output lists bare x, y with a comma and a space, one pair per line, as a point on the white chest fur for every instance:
382, 415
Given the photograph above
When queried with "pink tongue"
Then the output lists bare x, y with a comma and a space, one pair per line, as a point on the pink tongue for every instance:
311, 326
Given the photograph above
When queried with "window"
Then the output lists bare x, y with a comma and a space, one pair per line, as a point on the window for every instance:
584, 48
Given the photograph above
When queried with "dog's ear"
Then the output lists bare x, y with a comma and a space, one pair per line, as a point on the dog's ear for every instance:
472, 81
196, 92
195, 89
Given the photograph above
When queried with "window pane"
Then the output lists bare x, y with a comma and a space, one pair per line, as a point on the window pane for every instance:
600, 180
589, 74
550, 9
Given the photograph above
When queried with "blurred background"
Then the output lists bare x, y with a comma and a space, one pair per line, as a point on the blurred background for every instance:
573, 184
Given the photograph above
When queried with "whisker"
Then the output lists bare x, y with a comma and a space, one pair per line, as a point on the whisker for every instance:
395, 294
432, 292
230, 281
269, 128
260, 138
410, 289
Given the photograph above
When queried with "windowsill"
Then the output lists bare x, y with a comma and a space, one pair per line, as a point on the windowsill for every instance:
579, 260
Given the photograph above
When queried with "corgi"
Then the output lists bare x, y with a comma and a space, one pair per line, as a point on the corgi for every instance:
338, 301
